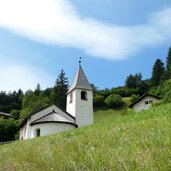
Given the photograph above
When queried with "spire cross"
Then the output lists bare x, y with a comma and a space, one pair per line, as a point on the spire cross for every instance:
80, 60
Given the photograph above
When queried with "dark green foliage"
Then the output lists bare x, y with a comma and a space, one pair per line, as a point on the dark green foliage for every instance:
47, 92
8, 129
157, 72
15, 114
163, 90
106, 92
37, 90
114, 101
98, 100
134, 97
168, 63
155, 91
58, 95
166, 91
10, 101
133, 81
124, 91
33, 102
164, 76
143, 87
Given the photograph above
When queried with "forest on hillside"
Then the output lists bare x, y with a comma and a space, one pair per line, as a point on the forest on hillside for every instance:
20, 104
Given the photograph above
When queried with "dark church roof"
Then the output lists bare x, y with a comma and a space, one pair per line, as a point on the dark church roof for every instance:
51, 117
80, 81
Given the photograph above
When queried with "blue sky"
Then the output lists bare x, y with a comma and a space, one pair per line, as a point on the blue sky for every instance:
38, 38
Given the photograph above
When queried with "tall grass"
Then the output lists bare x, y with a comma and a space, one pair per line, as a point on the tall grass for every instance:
137, 141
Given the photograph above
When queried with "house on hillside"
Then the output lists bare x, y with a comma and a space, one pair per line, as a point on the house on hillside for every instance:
5, 115
52, 119
144, 102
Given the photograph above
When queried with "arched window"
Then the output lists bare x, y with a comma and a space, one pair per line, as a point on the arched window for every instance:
83, 95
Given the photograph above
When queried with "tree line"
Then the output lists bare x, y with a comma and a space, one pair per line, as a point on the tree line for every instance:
159, 84
20, 104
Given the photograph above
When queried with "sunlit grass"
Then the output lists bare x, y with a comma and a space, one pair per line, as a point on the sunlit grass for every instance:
137, 141
102, 114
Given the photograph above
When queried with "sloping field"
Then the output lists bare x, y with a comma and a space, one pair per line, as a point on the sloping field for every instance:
137, 141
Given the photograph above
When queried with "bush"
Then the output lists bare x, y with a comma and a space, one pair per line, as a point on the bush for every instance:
124, 91
166, 91
134, 97
114, 101
98, 100
155, 91
15, 114
8, 129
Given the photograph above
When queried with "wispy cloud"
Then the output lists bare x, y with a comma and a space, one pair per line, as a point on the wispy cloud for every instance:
14, 77
57, 22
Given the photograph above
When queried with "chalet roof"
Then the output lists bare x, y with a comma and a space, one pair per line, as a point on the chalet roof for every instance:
51, 117
80, 81
140, 98
45, 117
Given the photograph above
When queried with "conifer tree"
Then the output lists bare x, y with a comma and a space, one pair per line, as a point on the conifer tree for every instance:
168, 63
37, 90
158, 70
58, 95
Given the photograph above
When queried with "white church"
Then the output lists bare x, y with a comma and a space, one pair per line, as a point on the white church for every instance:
52, 120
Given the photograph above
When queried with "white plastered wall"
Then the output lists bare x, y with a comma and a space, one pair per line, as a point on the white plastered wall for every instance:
84, 108
50, 128
71, 105
25, 131
141, 104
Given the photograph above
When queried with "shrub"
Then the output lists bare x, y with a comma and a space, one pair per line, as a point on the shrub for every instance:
167, 91
114, 101
98, 100
134, 97
15, 114
155, 91
124, 91
8, 129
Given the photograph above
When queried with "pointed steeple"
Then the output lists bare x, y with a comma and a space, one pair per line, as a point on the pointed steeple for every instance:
80, 81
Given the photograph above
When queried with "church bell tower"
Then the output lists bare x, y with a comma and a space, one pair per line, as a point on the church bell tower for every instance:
80, 99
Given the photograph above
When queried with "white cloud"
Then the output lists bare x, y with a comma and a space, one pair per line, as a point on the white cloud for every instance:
14, 77
57, 22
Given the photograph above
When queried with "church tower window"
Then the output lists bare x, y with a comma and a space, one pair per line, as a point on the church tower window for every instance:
83, 95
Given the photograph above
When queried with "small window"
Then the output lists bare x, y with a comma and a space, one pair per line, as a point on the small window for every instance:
83, 95
150, 101
71, 98
37, 131
147, 102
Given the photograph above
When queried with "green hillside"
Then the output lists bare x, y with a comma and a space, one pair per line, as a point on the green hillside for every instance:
137, 141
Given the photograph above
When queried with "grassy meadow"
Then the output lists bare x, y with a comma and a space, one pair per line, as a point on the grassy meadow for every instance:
117, 141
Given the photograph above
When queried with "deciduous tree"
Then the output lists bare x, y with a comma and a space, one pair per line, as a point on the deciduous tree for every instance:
133, 81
